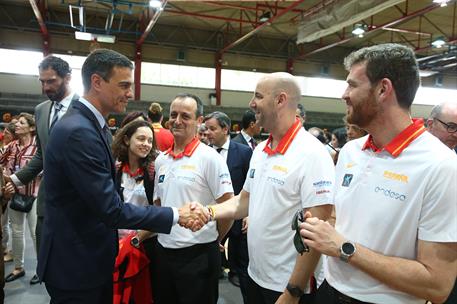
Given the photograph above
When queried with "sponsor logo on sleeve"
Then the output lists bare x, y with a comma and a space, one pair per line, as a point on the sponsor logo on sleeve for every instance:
322, 187
347, 179
251, 173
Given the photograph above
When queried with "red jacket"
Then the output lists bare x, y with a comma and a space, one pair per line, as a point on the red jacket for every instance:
131, 274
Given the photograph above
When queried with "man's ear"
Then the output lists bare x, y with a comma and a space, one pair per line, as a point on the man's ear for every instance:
200, 119
429, 123
67, 79
385, 87
96, 81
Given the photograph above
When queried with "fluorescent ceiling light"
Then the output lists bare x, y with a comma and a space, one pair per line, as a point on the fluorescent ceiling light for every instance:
91, 37
358, 30
441, 2
155, 4
438, 43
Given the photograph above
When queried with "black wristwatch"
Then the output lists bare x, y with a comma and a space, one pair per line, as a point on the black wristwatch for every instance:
135, 242
294, 290
346, 251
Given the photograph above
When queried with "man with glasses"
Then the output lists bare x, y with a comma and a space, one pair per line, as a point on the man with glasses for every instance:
443, 123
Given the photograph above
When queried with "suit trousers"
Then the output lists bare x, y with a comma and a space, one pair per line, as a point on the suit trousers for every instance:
99, 295
38, 229
188, 275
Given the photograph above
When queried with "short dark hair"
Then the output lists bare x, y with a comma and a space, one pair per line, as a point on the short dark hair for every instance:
131, 116
102, 62
222, 119
155, 112
60, 66
199, 111
341, 136
393, 61
248, 117
121, 150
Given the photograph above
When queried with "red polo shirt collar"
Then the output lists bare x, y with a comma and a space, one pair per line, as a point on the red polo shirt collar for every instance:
285, 142
188, 150
401, 141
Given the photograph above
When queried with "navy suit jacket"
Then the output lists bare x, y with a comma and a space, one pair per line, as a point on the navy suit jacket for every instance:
239, 138
83, 209
238, 159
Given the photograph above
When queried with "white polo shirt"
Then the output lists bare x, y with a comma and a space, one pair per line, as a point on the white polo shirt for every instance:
300, 176
386, 203
200, 174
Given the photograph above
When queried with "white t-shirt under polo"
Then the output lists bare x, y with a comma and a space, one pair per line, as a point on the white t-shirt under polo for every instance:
202, 176
279, 185
387, 203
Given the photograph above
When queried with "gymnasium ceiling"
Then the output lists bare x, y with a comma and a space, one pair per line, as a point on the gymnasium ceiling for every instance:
323, 27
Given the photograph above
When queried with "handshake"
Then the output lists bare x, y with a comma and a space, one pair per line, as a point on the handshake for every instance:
194, 216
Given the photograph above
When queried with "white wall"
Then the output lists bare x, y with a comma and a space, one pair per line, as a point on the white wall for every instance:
27, 84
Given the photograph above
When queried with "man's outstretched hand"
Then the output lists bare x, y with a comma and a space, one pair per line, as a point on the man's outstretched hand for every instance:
193, 216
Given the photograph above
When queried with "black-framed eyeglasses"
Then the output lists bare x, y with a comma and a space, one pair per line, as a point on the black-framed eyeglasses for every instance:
300, 246
450, 127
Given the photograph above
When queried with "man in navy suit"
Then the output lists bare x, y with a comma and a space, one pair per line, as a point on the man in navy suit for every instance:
237, 157
83, 209
250, 129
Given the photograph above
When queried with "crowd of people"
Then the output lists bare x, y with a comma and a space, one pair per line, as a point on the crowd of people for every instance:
141, 213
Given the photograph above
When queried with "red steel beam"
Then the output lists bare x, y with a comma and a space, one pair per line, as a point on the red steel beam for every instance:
219, 55
372, 30
207, 16
259, 27
43, 29
139, 52
228, 5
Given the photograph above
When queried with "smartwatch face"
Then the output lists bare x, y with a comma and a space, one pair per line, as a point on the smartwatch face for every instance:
348, 248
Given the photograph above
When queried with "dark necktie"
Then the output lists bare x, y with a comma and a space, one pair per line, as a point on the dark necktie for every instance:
57, 107
107, 135
219, 150
252, 142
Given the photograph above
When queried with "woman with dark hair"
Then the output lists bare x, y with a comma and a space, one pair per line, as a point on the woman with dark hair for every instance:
16, 155
135, 151
131, 116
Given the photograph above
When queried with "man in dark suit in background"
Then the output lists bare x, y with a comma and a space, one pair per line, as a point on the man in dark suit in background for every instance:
237, 157
83, 209
55, 76
250, 129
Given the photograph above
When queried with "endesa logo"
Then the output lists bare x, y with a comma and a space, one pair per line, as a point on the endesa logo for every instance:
390, 193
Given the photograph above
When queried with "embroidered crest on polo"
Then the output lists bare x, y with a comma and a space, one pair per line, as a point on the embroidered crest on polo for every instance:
347, 179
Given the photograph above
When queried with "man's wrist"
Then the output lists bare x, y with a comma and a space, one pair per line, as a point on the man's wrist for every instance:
212, 213
294, 290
